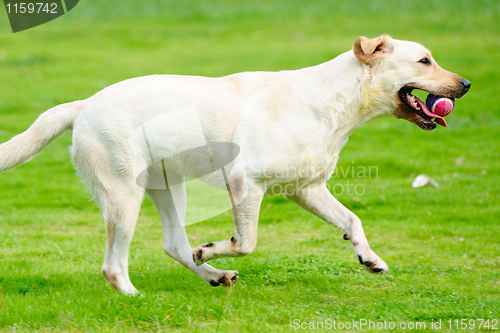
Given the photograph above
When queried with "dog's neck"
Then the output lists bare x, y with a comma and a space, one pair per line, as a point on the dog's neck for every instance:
339, 94
342, 90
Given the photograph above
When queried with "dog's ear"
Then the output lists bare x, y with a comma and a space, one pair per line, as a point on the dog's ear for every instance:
367, 49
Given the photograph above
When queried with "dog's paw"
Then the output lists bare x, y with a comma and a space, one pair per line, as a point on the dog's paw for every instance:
371, 261
375, 266
131, 292
200, 253
228, 279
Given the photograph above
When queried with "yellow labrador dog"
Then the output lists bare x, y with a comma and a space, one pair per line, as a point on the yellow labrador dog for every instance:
132, 138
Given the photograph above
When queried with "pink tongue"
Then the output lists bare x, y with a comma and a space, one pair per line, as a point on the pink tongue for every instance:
439, 120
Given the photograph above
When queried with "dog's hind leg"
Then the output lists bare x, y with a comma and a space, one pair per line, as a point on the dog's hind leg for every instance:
120, 209
319, 201
101, 165
171, 204
246, 219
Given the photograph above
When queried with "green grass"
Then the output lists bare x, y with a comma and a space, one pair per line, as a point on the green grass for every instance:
442, 245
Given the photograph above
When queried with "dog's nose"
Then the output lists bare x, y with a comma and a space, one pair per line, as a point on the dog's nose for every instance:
465, 85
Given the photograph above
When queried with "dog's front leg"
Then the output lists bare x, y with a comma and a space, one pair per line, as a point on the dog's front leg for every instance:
175, 241
319, 201
246, 219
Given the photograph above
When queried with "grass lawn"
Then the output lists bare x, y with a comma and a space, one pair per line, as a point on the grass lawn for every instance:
441, 244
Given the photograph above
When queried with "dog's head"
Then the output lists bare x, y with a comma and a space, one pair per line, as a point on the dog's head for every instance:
399, 67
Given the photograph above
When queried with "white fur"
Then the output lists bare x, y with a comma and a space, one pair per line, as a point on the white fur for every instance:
290, 126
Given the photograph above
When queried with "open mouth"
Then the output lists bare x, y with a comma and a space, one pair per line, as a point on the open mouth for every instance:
423, 117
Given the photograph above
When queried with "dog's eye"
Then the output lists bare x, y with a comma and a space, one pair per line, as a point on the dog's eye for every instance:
425, 61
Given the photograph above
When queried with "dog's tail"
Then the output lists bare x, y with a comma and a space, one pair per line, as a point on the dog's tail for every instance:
46, 128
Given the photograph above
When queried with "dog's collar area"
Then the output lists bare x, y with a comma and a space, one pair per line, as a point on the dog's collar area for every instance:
426, 119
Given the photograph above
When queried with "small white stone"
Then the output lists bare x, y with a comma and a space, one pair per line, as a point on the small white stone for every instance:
423, 180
